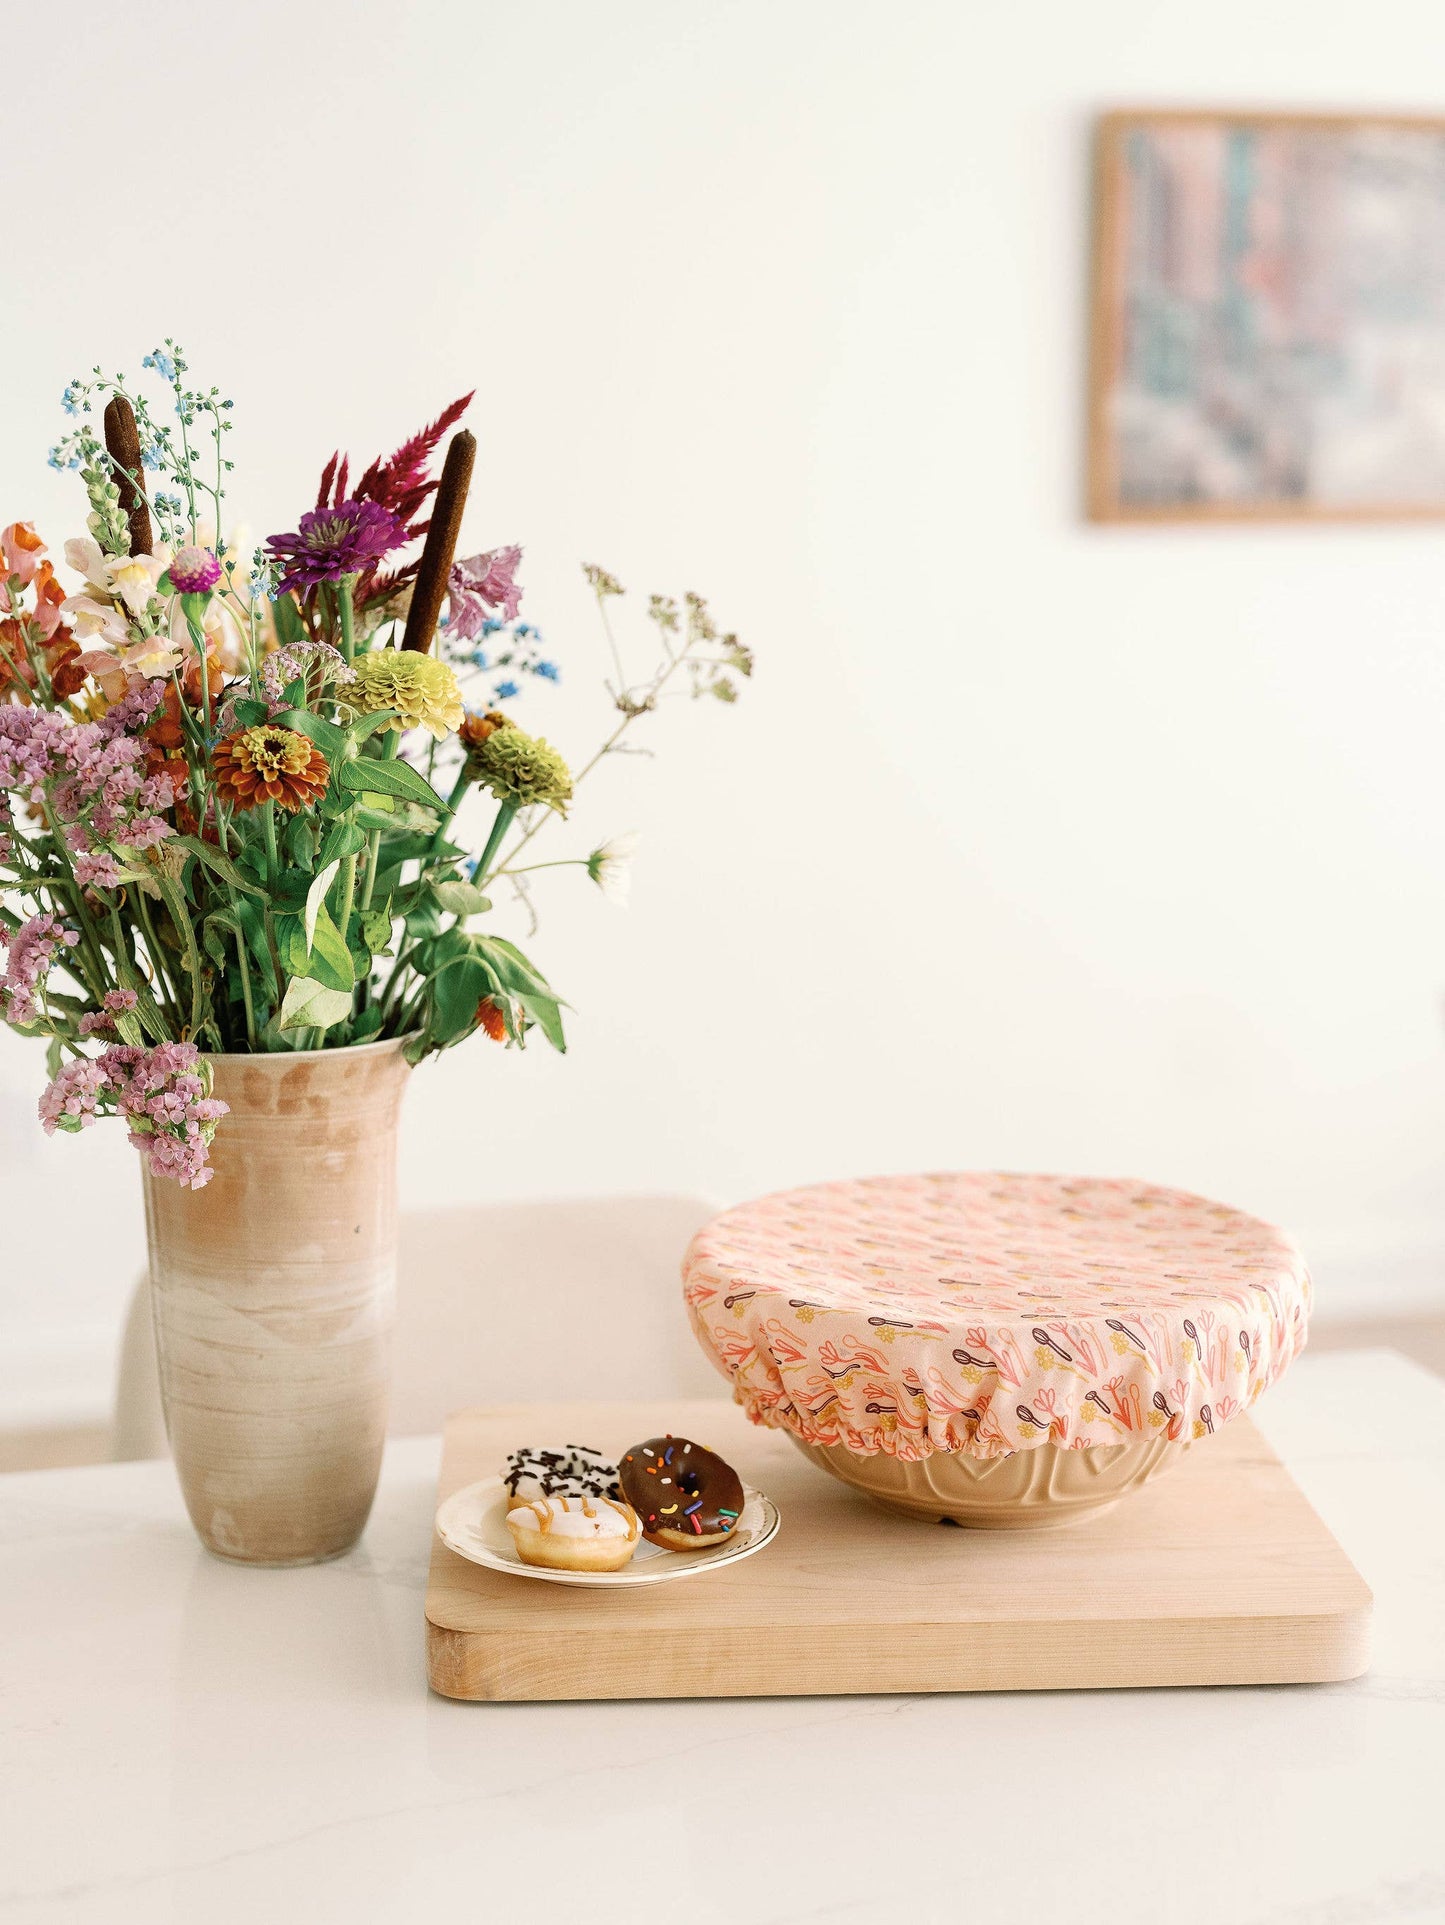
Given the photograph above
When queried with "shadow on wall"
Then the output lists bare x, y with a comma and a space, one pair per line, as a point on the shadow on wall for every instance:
508, 1303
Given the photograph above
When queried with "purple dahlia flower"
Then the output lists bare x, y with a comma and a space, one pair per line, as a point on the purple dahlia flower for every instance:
332, 542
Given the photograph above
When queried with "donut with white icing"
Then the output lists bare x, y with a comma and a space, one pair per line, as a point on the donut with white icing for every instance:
574, 1470
688, 1498
574, 1533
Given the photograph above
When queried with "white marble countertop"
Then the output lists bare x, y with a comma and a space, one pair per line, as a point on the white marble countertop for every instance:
184, 1740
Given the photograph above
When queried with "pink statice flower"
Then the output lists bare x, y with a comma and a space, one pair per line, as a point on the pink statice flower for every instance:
92, 774
97, 869
163, 1094
32, 950
71, 1101
101, 1022
167, 1103
480, 586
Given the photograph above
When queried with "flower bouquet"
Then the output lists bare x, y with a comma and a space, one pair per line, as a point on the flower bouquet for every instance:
235, 905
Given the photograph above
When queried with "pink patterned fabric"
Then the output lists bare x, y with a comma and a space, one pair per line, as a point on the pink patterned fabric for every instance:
991, 1313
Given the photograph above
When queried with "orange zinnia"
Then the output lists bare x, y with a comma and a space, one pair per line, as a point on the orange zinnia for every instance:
270, 764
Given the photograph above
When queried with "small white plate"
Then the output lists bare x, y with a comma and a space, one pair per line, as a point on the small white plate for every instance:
473, 1523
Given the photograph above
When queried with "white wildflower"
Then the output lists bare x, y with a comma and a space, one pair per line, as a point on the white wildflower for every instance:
610, 867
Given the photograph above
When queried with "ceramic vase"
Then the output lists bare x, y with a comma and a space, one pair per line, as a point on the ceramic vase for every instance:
273, 1293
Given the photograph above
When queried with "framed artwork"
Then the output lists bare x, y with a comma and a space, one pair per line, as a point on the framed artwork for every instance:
1268, 317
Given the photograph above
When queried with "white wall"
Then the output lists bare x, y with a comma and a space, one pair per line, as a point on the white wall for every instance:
1033, 843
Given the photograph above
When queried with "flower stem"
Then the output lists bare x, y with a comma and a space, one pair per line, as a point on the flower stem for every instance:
157, 957
390, 745
246, 993
454, 802
531, 868
348, 895
173, 900
658, 683
506, 812
346, 609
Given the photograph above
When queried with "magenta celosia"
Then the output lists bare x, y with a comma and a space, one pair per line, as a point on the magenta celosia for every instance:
481, 587
163, 1094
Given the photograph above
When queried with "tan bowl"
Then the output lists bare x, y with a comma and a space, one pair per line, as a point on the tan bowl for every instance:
1030, 1490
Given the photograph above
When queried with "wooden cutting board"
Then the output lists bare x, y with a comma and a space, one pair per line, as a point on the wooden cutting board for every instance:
1219, 1573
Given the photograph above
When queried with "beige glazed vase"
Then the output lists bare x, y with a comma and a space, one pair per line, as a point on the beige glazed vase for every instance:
273, 1290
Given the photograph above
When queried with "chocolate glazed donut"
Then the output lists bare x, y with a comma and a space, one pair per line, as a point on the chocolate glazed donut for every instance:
687, 1497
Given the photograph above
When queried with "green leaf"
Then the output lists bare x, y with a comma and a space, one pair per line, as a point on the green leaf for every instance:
453, 997
344, 838
546, 1012
254, 924
424, 920
316, 896
287, 617
376, 927
409, 834
450, 945
331, 960
218, 864
366, 725
312, 1005
147, 1009
328, 738
299, 842
253, 855
460, 898
292, 946
512, 967
290, 890
213, 940
128, 1028
368, 776
54, 1058
366, 1024
250, 714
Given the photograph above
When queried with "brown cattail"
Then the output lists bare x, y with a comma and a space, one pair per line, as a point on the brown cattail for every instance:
441, 542
124, 445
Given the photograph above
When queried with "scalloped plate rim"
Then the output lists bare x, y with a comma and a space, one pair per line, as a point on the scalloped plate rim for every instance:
458, 1518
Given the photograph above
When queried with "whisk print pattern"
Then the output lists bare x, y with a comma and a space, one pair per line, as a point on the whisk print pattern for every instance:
991, 1313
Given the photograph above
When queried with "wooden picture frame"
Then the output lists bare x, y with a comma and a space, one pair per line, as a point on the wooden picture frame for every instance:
1331, 224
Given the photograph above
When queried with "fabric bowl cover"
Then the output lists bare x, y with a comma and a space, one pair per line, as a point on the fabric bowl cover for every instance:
991, 1313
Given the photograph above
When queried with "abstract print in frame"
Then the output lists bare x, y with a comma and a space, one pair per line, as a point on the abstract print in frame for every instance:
1268, 318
